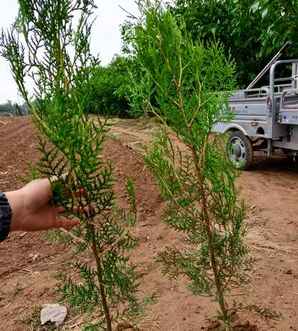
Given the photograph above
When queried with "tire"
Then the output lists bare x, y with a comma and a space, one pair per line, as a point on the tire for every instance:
239, 150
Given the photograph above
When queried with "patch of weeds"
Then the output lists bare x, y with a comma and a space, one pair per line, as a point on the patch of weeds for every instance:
93, 327
137, 312
150, 299
62, 237
32, 320
56, 236
264, 312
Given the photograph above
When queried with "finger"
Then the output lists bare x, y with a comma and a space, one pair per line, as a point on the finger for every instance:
88, 210
81, 192
67, 224
60, 210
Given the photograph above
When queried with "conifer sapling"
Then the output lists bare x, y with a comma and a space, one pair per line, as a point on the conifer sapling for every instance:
49, 46
189, 163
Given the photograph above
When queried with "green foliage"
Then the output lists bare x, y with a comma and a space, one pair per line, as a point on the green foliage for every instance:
94, 327
252, 31
49, 45
190, 164
279, 21
108, 89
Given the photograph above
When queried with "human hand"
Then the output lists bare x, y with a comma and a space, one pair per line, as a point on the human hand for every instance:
32, 209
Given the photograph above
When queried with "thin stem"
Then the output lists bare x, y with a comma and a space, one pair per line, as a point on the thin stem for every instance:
199, 164
210, 235
100, 280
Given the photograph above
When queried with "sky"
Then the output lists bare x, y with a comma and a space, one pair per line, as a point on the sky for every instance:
105, 39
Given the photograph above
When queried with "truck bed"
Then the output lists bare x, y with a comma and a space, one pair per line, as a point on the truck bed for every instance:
288, 113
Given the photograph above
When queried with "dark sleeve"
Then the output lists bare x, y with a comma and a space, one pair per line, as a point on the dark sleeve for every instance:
5, 217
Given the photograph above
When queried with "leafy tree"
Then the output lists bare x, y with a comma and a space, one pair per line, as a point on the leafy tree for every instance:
108, 89
279, 19
190, 164
251, 31
49, 45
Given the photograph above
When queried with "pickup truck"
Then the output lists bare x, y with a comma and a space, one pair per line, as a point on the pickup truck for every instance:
264, 118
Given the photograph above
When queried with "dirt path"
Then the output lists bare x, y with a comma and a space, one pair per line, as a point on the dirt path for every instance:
29, 263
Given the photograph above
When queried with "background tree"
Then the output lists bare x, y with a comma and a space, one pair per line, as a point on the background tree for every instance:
49, 45
251, 31
109, 88
279, 21
9, 108
189, 163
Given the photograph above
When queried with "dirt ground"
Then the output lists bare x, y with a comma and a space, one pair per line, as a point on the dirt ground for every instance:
29, 263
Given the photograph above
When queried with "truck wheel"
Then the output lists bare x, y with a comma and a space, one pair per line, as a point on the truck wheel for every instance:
239, 149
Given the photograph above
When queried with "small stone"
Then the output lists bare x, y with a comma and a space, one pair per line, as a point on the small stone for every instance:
53, 313
34, 257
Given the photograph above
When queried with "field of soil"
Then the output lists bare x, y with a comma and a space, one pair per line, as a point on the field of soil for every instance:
29, 263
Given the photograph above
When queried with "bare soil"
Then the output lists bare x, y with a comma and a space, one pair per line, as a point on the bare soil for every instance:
29, 263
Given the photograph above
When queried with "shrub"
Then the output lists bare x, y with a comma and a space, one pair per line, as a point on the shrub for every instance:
194, 175
108, 92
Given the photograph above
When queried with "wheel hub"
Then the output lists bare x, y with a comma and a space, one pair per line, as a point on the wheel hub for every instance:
237, 152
